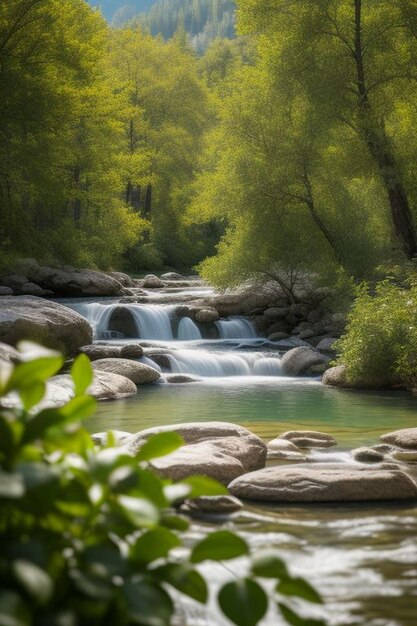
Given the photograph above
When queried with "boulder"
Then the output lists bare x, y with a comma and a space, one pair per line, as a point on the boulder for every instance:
120, 437
31, 289
217, 449
9, 354
48, 323
105, 385
6, 291
277, 313
318, 370
278, 336
124, 279
178, 379
298, 360
309, 439
206, 316
279, 445
336, 377
106, 351
407, 456
406, 438
152, 282
367, 455
307, 333
326, 344
131, 351
218, 505
321, 484
173, 276
138, 373
286, 456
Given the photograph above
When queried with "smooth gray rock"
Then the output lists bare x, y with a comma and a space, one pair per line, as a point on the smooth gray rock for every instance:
336, 377
179, 379
299, 360
279, 445
96, 352
220, 505
105, 385
5, 291
9, 354
217, 449
367, 455
206, 316
343, 484
407, 456
309, 439
326, 345
173, 276
405, 438
152, 282
48, 323
138, 373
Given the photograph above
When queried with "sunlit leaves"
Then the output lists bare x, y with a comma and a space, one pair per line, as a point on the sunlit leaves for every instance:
219, 546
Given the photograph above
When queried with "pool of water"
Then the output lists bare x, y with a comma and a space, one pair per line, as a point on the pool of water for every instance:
266, 406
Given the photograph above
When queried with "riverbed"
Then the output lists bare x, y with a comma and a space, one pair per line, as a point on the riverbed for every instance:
362, 558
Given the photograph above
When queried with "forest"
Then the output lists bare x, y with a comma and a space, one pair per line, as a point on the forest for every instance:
288, 149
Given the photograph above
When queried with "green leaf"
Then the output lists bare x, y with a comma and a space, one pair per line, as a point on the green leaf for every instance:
7, 439
204, 486
32, 395
159, 445
244, 602
12, 486
152, 545
269, 565
93, 586
78, 408
176, 522
34, 580
140, 512
185, 579
104, 561
13, 611
39, 370
300, 588
148, 604
219, 546
296, 620
151, 486
82, 374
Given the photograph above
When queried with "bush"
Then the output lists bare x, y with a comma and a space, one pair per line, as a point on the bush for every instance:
380, 345
90, 536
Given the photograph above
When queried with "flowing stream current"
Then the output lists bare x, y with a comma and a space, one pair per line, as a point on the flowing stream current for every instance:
362, 558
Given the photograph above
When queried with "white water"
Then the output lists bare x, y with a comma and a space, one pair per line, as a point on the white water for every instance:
209, 364
188, 330
235, 328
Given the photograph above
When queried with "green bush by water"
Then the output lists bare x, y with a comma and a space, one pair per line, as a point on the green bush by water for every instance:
380, 345
90, 536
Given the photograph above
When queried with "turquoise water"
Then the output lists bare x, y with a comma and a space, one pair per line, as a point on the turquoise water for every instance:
266, 406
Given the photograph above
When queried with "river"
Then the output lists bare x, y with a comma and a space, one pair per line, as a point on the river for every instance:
362, 558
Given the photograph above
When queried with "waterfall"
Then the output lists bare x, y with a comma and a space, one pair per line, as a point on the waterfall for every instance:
187, 330
209, 364
235, 328
153, 321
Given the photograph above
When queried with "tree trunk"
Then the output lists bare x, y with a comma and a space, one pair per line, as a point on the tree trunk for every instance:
381, 151
148, 200
77, 201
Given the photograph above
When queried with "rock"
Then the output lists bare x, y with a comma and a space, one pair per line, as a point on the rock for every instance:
73, 282
152, 282
287, 456
217, 449
367, 455
408, 456
123, 279
96, 352
173, 276
336, 377
278, 327
160, 358
314, 316
183, 311
120, 437
278, 336
105, 386
326, 345
223, 505
131, 351
307, 333
206, 316
9, 354
48, 323
318, 370
319, 484
6, 291
138, 373
15, 281
290, 343
180, 379
406, 438
309, 439
31, 289
277, 313
279, 445
384, 448
298, 360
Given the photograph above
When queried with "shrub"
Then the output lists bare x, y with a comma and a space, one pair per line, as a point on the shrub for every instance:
379, 347
90, 536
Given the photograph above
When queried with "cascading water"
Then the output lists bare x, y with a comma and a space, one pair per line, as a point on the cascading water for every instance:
183, 338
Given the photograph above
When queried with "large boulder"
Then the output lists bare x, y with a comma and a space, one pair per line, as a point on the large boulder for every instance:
321, 484
105, 386
206, 316
138, 373
48, 323
299, 360
406, 438
217, 449
367, 455
173, 276
337, 377
8, 354
152, 282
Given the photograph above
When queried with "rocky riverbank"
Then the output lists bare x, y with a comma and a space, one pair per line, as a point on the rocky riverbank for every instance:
285, 469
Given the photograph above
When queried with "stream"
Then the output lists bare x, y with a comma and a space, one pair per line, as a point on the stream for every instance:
362, 558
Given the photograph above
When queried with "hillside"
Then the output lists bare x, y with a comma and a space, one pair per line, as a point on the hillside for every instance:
202, 20
121, 9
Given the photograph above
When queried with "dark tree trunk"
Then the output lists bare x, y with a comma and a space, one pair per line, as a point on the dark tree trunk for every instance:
381, 151
148, 200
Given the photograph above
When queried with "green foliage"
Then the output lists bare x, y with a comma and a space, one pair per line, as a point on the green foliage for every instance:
90, 536
378, 348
